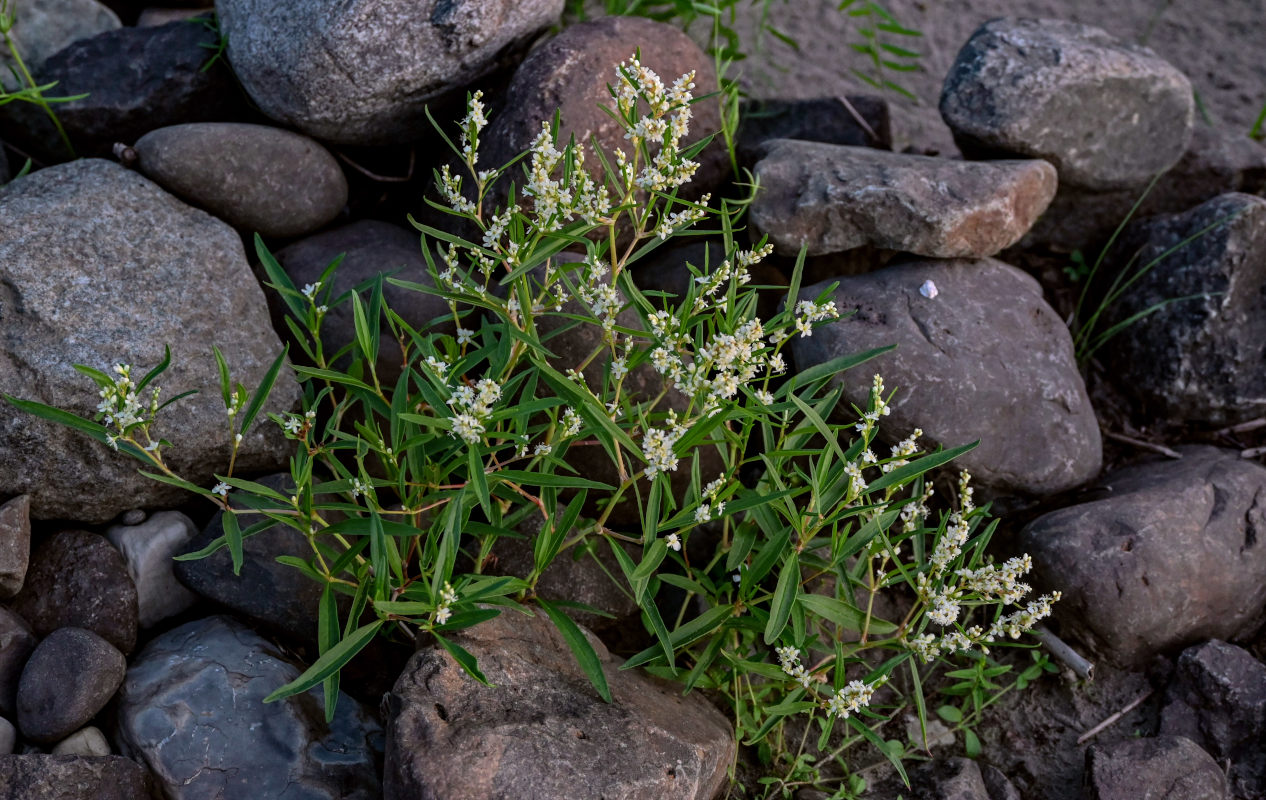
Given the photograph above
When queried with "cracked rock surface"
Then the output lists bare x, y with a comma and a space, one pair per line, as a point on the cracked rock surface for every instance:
191, 709
983, 358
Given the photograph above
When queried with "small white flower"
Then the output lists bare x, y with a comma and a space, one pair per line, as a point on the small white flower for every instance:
221, 489
465, 336
674, 542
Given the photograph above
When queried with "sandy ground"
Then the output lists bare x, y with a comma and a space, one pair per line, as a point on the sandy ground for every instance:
1220, 44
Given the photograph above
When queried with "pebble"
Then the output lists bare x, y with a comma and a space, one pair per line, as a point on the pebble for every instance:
148, 549
71, 675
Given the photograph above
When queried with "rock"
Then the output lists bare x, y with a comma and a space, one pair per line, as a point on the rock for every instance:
8, 737
542, 731
1217, 161
15, 544
997, 784
89, 741
570, 73
152, 17
147, 551
1152, 769
4, 166
134, 516
859, 120
1201, 360
362, 72
1217, 698
276, 596
45, 777
136, 80
16, 644
370, 248
1124, 592
1107, 114
77, 579
256, 178
192, 710
42, 27
830, 198
985, 359
951, 779
71, 675
122, 248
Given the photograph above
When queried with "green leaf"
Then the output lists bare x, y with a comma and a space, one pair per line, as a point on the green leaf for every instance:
872, 737
784, 597
950, 714
286, 287
327, 637
919, 466
226, 385
548, 479
66, 418
692, 631
848, 617
330, 662
580, 648
233, 536
971, 743
463, 658
829, 368
159, 369
265, 388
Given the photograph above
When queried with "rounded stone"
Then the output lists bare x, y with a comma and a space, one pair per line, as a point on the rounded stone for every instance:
89, 741
71, 675
148, 549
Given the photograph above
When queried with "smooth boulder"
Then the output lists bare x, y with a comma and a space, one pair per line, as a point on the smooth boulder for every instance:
1152, 769
542, 731
148, 550
71, 675
137, 270
1107, 114
257, 178
191, 709
1161, 555
363, 71
830, 198
981, 358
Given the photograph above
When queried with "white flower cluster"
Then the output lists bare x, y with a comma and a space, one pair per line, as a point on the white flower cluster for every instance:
658, 444
809, 312
878, 408
666, 123
445, 610
852, 698
472, 406
123, 408
789, 660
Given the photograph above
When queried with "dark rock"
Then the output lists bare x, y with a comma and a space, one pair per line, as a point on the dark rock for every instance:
8, 737
570, 74
542, 731
997, 784
4, 165
123, 250
87, 741
362, 72
1107, 114
256, 178
370, 248
1152, 769
951, 779
78, 579
71, 675
830, 198
857, 120
985, 359
1200, 360
1217, 161
16, 644
147, 551
276, 596
136, 80
1217, 698
41, 777
192, 710
43, 27
15, 544
1170, 556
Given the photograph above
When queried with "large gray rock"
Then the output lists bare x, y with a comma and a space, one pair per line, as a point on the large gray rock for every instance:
1169, 556
1107, 114
16, 644
136, 269
829, 198
192, 710
257, 178
362, 72
542, 731
148, 550
1200, 360
41, 777
42, 27
1157, 768
71, 675
985, 359
15, 544
77, 579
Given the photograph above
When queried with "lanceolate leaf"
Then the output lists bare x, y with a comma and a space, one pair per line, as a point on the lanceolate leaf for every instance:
580, 647
330, 662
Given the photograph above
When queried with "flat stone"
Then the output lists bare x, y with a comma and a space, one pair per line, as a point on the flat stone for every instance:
121, 248
42, 27
858, 120
256, 178
542, 731
363, 71
829, 198
15, 544
192, 710
71, 675
87, 741
984, 359
148, 549
1160, 767
78, 579
47, 777
16, 644
1202, 360
1107, 114
950, 779
1124, 592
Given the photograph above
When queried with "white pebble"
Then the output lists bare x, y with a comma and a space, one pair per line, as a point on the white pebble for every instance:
928, 289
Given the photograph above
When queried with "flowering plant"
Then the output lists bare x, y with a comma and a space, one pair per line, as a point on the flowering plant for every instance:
756, 528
